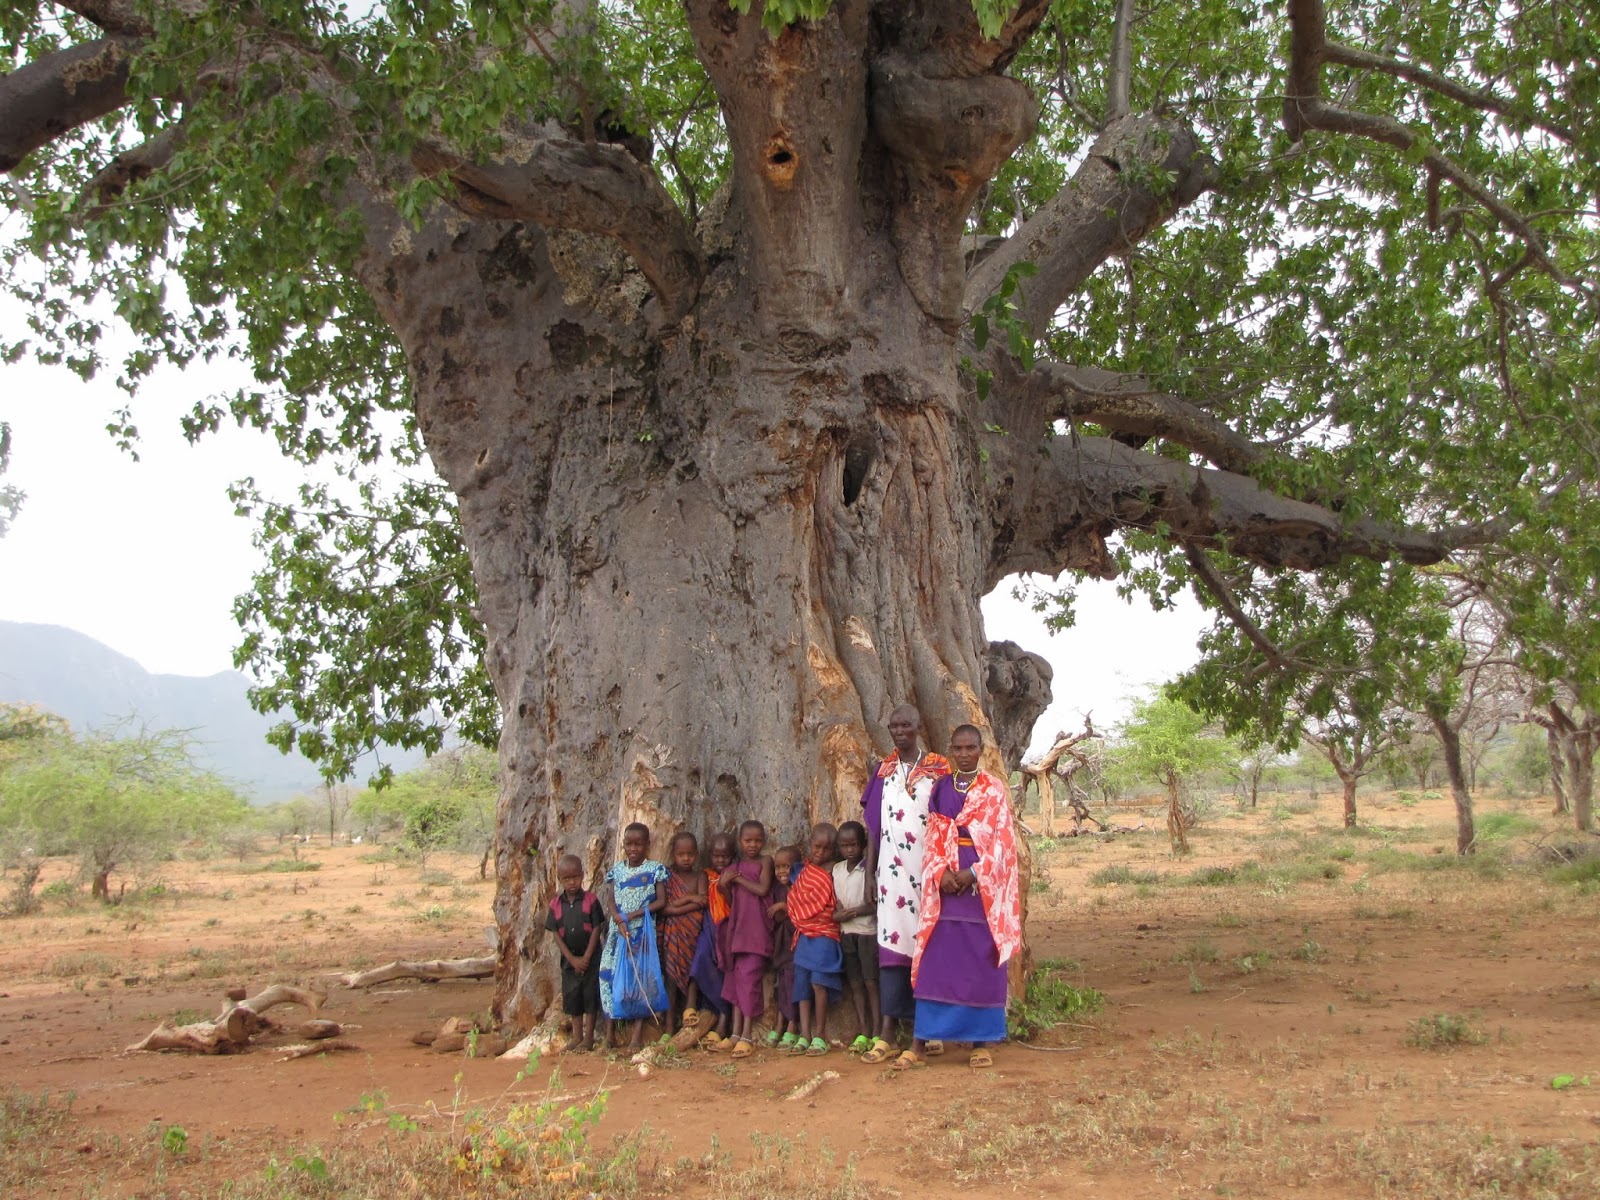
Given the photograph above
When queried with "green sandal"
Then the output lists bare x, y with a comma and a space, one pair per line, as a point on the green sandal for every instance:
787, 1041
861, 1045
771, 1040
818, 1047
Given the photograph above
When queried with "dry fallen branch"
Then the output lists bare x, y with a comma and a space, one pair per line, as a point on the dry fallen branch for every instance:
231, 1031
307, 1049
434, 970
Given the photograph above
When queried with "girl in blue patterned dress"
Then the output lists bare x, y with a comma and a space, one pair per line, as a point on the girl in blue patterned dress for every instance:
636, 889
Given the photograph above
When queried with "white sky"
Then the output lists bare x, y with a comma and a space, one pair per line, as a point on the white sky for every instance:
147, 556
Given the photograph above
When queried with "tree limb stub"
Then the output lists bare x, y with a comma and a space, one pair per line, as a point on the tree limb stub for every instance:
948, 137
1111, 203
455, 968
1126, 403
59, 92
590, 188
132, 165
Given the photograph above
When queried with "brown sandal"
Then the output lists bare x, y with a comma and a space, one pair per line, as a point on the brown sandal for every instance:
980, 1058
908, 1061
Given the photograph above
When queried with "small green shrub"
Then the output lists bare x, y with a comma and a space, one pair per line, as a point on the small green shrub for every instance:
1585, 872
1443, 1031
1498, 826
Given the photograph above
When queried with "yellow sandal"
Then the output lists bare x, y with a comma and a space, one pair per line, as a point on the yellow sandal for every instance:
908, 1061
878, 1052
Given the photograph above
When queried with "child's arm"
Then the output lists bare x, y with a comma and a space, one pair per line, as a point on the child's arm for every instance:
780, 909
764, 884
608, 900
660, 901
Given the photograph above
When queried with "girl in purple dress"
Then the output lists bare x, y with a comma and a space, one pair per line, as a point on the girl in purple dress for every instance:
747, 934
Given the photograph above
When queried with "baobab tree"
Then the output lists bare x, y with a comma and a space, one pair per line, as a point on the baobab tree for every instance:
753, 344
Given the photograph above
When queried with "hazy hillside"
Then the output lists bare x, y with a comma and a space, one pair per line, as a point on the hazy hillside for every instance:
93, 686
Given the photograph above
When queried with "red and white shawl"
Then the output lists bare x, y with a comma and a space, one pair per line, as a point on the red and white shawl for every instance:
986, 815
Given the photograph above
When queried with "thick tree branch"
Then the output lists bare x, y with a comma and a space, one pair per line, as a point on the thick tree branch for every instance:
1053, 507
58, 93
590, 187
1304, 109
1127, 404
114, 16
132, 165
1139, 172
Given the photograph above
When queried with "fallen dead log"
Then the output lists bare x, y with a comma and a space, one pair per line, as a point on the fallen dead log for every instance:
231, 1031
443, 968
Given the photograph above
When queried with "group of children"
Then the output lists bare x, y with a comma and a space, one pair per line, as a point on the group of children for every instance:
802, 915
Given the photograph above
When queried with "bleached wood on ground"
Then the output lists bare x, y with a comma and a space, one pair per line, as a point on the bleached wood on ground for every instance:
232, 1029
810, 1086
436, 969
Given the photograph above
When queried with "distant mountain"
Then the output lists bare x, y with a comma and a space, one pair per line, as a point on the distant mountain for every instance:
93, 686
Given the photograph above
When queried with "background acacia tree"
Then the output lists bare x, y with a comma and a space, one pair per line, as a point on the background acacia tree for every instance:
113, 797
1168, 742
752, 346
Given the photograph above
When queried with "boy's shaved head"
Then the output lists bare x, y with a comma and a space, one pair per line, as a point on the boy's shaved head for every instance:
567, 864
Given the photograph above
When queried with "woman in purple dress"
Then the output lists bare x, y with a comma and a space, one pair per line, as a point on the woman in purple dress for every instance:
971, 919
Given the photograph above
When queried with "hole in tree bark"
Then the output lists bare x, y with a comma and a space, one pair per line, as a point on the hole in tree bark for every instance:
858, 457
781, 162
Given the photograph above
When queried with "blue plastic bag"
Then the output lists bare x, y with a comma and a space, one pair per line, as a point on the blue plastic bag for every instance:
638, 988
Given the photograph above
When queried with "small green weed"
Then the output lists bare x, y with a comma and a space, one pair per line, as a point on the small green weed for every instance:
1049, 1000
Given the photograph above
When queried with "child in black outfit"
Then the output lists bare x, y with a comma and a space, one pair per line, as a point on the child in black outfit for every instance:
578, 921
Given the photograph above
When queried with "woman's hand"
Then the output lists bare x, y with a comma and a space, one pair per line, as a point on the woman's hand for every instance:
621, 923
948, 885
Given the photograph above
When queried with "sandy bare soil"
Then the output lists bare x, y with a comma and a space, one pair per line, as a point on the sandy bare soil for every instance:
1259, 1034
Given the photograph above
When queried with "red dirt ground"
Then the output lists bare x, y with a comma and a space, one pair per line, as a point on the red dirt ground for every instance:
1256, 1037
